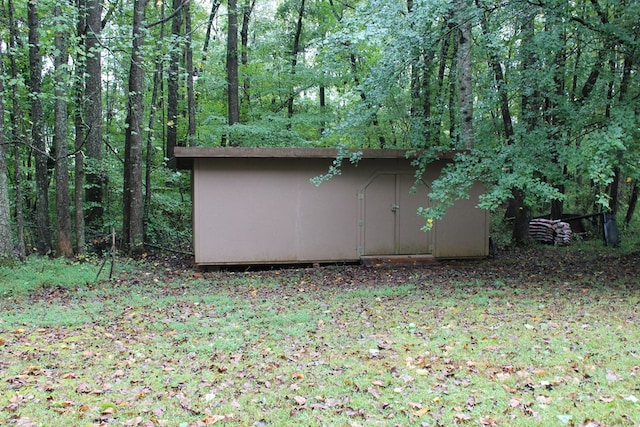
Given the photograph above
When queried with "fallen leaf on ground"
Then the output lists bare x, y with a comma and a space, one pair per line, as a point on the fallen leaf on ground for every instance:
422, 411
462, 417
300, 400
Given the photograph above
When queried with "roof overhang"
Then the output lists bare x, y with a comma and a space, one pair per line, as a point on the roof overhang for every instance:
186, 155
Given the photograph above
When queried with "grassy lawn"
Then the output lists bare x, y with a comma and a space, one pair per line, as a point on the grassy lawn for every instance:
503, 342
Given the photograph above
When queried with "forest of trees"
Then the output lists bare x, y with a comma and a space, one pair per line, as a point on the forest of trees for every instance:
539, 98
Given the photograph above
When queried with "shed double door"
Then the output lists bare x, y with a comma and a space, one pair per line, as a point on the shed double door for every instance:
389, 222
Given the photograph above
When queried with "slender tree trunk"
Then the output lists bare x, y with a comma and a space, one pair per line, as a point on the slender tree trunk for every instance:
191, 99
627, 67
173, 85
633, 202
15, 133
294, 55
530, 102
624, 87
78, 195
205, 46
6, 243
37, 119
133, 224
96, 178
453, 83
552, 114
420, 86
63, 200
465, 93
323, 107
19, 213
363, 96
445, 47
247, 9
155, 106
233, 103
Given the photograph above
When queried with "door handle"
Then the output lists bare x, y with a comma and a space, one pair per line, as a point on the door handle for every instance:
394, 207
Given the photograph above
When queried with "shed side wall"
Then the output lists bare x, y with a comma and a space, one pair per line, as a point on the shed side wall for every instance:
265, 210
464, 230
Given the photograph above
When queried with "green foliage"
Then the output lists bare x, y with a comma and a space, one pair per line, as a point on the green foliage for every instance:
168, 223
389, 75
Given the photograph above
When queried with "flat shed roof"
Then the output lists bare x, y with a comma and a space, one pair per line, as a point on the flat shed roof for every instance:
186, 155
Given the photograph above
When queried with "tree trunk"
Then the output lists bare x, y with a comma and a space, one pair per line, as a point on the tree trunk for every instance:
323, 107
363, 96
233, 103
205, 47
294, 55
6, 244
78, 195
420, 86
191, 99
530, 101
444, 56
173, 85
465, 93
522, 216
614, 188
133, 224
155, 106
614, 191
244, 40
554, 118
16, 119
93, 99
633, 202
63, 200
37, 128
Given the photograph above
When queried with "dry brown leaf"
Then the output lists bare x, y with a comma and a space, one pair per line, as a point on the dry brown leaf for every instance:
24, 422
422, 411
544, 399
133, 421
462, 417
300, 400
514, 403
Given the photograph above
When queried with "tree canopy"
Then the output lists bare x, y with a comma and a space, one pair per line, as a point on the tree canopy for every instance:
539, 98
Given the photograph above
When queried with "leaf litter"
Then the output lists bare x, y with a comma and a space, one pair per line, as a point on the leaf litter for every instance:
534, 337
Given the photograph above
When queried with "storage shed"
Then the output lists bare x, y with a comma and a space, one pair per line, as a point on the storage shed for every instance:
258, 206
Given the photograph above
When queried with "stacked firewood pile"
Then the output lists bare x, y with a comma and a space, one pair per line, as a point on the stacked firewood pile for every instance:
550, 231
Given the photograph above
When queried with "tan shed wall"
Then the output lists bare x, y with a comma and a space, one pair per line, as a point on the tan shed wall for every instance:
464, 230
265, 210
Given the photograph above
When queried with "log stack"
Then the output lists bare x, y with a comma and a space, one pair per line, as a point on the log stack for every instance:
550, 231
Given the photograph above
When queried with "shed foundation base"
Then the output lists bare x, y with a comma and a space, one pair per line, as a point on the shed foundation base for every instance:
399, 260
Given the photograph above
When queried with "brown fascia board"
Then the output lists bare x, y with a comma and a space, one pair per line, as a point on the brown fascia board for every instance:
186, 155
